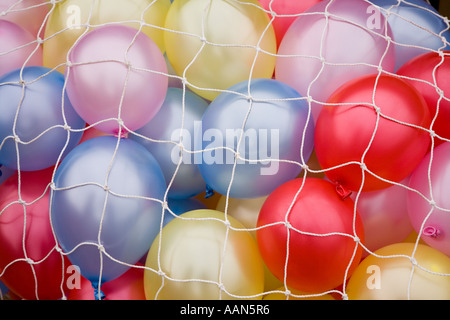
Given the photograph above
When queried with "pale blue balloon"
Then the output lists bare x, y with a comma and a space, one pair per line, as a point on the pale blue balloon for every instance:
417, 24
278, 137
131, 194
179, 116
40, 124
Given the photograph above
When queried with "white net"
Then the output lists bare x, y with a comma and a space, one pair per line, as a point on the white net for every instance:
200, 149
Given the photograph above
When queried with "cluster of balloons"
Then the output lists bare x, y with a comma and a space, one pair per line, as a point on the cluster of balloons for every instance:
319, 129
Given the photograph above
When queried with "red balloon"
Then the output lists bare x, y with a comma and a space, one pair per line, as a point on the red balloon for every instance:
431, 67
343, 136
129, 286
315, 263
33, 237
287, 11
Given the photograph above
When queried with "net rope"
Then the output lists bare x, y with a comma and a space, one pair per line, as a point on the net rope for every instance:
183, 82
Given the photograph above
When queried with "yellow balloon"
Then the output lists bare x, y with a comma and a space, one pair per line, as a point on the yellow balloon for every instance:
296, 295
201, 260
215, 42
69, 18
246, 211
388, 277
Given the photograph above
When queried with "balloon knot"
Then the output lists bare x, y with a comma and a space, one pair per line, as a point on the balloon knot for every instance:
209, 192
98, 293
343, 192
431, 231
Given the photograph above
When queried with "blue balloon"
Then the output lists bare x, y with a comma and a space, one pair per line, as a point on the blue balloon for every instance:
270, 136
5, 173
416, 23
180, 206
40, 127
168, 126
107, 199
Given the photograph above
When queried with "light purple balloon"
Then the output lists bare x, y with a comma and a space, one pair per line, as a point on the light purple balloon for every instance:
17, 47
353, 36
385, 215
114, 61
434, 228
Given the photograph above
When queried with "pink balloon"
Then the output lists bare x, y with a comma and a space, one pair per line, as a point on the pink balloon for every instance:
112, 61
434, 228
353, 37
29, 14
17, 46
385, 215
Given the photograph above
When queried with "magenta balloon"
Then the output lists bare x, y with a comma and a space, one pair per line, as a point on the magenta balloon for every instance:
434, 228
17, 46
353, 37
114, 61
385, 215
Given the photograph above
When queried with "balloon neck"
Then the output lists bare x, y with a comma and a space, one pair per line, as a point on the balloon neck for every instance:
209, 192
122, 133
431, 231
98, 293
343, 192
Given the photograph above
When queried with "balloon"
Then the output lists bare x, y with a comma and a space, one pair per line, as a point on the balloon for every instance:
5, 173
178, 118
428, 73
129, 286
384, 214
202, 259
180, 206
322, 225
246, 211
350, 131
26, 233
29, 14
127, 68
431, 179
216, 53
331, 50
17, 48
106, 205
391, 274
417, 27
286, 11
39, 115
295, 295
69, 20
275, 132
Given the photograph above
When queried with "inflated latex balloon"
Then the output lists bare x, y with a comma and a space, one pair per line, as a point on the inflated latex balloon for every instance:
107, 201
391, 275
295, 295
219, 40
128, 286
378, 121
180, 206
40, 115
69, 20
202, 259
29, 14
18, 48
5, 173
429, 73
385, 215
177, 121
26, 233
432, 180
322, 225
273, 137
117, 74
331, 50
417, 28
286, 11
